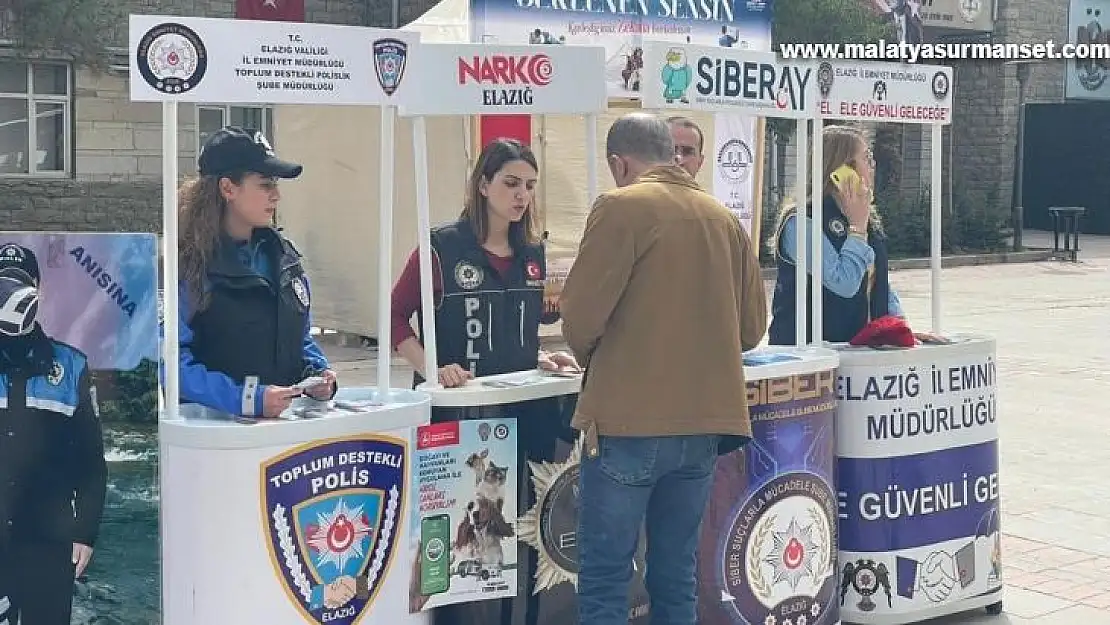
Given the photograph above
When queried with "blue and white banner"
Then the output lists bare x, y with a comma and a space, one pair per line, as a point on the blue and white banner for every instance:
917, 474
98, 292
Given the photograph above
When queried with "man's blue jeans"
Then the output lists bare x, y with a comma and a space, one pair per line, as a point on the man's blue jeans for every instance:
666, 479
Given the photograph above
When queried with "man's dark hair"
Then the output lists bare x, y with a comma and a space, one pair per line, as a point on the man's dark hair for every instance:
643, 136
686, 122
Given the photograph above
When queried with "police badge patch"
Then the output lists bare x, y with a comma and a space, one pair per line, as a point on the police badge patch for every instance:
172, 58
301, 291
390, 56
836, 227
332, 513
468, 275
57, 372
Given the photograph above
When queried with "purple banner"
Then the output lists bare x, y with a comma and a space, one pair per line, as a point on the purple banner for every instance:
768, 547
890, 504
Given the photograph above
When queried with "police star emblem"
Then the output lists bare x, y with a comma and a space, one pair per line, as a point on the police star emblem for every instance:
57, 372
332, 512
550, 526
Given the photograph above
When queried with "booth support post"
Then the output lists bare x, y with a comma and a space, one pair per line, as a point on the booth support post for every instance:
935, 171
591, 151
423, 231
817, 233
800, 317
385, 250
169, 261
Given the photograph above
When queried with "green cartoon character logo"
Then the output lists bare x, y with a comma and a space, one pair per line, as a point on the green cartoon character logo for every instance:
677, 76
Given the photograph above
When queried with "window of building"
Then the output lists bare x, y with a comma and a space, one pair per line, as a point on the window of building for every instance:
211, 118
35, 102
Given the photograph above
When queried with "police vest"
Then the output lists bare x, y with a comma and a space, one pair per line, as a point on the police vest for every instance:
37, 438
842, 317
252, 326
485, 322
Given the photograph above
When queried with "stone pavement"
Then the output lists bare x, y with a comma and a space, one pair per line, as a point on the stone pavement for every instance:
1050, 320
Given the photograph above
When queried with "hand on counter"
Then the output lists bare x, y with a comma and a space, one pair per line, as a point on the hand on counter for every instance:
324, 390
557, 361
277, 400
452, 376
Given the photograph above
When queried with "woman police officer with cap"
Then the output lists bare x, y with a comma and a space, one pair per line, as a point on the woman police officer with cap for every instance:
53, 477
244, 316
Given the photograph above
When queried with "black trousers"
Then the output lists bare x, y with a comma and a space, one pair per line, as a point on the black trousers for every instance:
37, 578
540, 424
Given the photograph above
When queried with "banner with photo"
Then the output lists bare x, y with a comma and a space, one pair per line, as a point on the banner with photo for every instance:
734, 175
1086, 79
622, 28
463, 538
98, 292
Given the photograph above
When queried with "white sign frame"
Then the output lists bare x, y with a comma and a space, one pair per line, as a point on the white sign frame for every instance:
790, 81
924, 88
586, 78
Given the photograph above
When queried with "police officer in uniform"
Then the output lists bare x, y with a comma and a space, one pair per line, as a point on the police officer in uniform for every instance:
854, 271
53, 476
244, 336
488, 272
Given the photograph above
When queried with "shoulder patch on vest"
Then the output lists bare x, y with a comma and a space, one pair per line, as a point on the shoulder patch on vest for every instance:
533, 273
468, 275
300, 289
837, 227
57, 372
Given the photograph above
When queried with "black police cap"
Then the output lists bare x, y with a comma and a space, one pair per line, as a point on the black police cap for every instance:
232, 150
20, 263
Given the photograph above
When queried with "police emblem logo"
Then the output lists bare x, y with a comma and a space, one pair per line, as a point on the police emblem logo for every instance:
734, 161
301, 291
837, 227
12, 254
825, 78
57, 372
172, 58
331, 514
468, 275
866, 577
390, 59
261, 140
783, 539
553, 518
940, 85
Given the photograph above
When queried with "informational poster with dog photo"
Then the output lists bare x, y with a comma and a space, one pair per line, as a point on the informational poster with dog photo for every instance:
463, 535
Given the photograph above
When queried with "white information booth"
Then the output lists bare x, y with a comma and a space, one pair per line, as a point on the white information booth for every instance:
474, 79
917, 429
301, 518
766, 485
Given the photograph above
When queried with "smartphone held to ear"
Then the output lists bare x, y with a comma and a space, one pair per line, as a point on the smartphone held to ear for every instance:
843, 175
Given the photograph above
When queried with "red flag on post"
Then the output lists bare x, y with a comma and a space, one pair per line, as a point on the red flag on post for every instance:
271, 10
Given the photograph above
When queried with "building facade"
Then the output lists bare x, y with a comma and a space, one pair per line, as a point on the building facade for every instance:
76, 154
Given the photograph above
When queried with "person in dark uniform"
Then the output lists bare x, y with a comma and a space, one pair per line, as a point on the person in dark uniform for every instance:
488, 273
854, 261
244, 322
53, 477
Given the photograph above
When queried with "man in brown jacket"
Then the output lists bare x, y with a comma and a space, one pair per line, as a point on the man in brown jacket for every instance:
664, 296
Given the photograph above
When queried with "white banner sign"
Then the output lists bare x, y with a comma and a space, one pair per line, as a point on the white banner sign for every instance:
192, 59
708, 78
734, 151
885, 92
476, 79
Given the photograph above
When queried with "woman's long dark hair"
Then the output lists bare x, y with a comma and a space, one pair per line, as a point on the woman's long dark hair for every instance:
493, 158
201, 208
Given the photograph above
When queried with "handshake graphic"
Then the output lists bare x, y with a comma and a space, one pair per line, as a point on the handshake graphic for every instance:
938, 575
342, 590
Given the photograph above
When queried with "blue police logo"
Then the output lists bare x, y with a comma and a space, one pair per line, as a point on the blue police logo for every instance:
780, 560
332, 514
390, 56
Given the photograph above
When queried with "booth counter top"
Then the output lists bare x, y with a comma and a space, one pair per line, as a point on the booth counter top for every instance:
353, 411
971, 345
759, 364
